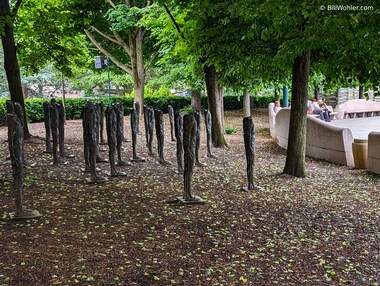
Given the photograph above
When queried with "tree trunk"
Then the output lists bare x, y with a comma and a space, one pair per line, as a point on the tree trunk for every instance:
64, 97
295, 156
316, 92
138, 70
10, 62
196, 103
246, 104
214, 93
361, 91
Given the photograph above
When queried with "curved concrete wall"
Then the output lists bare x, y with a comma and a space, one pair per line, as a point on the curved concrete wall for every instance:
374, 152
328, 142
323, 141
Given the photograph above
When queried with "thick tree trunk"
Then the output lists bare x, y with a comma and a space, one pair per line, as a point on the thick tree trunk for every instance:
138, 70
10, 62
295, 156
361, 91
215, 106
246, 104
196, 103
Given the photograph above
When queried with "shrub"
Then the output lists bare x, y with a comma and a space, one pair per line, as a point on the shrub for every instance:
230, 130
158, 99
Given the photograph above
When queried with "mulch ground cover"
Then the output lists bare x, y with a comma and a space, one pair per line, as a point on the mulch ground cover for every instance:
320, 230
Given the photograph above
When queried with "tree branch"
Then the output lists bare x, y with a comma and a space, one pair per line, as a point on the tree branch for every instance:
174, 21
108, 54
122, 43
112, 4
151, 60
105, 35
15, 8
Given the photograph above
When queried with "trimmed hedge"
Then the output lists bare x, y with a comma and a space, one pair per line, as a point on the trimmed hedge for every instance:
74, 106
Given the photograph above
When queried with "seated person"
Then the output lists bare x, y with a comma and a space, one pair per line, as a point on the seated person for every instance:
277, 106
319, 107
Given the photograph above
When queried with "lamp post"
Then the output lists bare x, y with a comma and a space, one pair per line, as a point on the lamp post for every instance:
101, 63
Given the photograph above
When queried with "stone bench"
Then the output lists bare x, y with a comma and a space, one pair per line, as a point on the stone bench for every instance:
358, 108
323, 140
374, 152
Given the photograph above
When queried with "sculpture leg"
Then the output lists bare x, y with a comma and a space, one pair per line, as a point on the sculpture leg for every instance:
134, 129
47, 128
54, 131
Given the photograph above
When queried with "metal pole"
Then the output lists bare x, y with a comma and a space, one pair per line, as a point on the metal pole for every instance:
285, 98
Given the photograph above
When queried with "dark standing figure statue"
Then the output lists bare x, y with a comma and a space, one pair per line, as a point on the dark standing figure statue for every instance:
54, 129
134, 128
178, 126
171, 121
101, 122
160, 134
189, 130
198, 122
111, 123
61, 129
208, 122
99, 117
20, 114
46, 106
86, 135
119, 111
249, 143
138, 110
16, 151
150, 130
146, 125
91, 140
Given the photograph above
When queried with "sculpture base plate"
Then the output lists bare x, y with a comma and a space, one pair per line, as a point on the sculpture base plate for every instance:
83, 170
179, 172
199, 164
101, 160
27, 214
164, 163
118, 174
194, 200
211, 156
48, 152
99, 180
255, 188
137, 160
123, 163
70, 156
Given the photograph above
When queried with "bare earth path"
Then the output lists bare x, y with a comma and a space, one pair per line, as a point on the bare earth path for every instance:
320, 230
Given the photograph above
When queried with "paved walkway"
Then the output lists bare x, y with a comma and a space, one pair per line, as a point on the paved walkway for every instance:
360, 127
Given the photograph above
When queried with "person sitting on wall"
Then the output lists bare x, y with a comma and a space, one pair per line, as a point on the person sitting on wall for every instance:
310, 107
277, 106
319, 107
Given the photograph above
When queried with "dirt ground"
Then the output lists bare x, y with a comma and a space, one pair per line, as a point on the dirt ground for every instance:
320, 230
